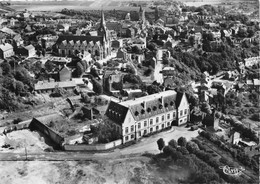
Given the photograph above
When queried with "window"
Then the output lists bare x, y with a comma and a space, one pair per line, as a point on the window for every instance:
132, 128
157, 127
181, 112
185, 111
157, 119
132, 136
168, 124
168, 116
181, 121
126, 138
126, 130
139, 125
145, 132
139, 133
151, 121
151, 129
174, 114
162, 117
185, 119
145, 123
162, 126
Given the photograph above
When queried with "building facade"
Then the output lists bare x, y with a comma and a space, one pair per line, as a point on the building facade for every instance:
138, 117
6, 50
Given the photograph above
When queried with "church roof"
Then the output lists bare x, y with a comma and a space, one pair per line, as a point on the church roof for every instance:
82, 39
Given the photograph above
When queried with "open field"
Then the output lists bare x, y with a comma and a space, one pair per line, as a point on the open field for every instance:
125, 170
19, 140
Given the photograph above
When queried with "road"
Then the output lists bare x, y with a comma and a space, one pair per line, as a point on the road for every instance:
148, 144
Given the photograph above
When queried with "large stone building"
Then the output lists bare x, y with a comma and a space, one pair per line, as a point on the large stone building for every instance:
98, 43
138, 117
6, 50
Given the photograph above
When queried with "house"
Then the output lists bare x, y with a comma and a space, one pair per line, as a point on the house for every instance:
18, 40
111, 77
6, 50
249, 62
64, 74
117, 43
141, 116
211, 121
48, 87
27, 51
122, 53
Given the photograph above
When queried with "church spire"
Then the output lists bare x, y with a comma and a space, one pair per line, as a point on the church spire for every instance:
156, 13
102, 30
102, 22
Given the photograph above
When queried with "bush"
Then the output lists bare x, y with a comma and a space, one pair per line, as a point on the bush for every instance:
183, 150
17, 120
192, 147
168, 150
255, 117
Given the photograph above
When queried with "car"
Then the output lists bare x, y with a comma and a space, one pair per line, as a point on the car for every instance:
194, 127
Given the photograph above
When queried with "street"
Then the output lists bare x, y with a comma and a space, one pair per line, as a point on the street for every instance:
145, 145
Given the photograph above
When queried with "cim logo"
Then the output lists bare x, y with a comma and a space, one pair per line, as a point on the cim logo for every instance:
233, 171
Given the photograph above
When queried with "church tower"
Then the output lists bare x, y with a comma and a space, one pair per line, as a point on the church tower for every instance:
102, 30
141, 14
156, 13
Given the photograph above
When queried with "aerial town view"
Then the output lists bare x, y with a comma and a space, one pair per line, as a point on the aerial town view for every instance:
129, 91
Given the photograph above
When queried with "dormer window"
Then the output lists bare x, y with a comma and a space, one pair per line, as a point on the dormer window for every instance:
136, 113
160, 106
154, 108
149, 109
166, 105
171, 103
142, 111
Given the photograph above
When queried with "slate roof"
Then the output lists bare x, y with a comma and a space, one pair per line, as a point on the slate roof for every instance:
116, 112
145, 107
6, 47
29, 47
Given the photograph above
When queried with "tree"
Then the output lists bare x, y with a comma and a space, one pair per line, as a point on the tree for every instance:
160, 143
192, 147
130, 69
80, 69
97, 87
182, 141
148, 71
153, 89
38, 52
205, 107
94, 72
19, 87
6, 67
173, 143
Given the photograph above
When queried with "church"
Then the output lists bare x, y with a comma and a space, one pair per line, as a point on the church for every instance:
97, 43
